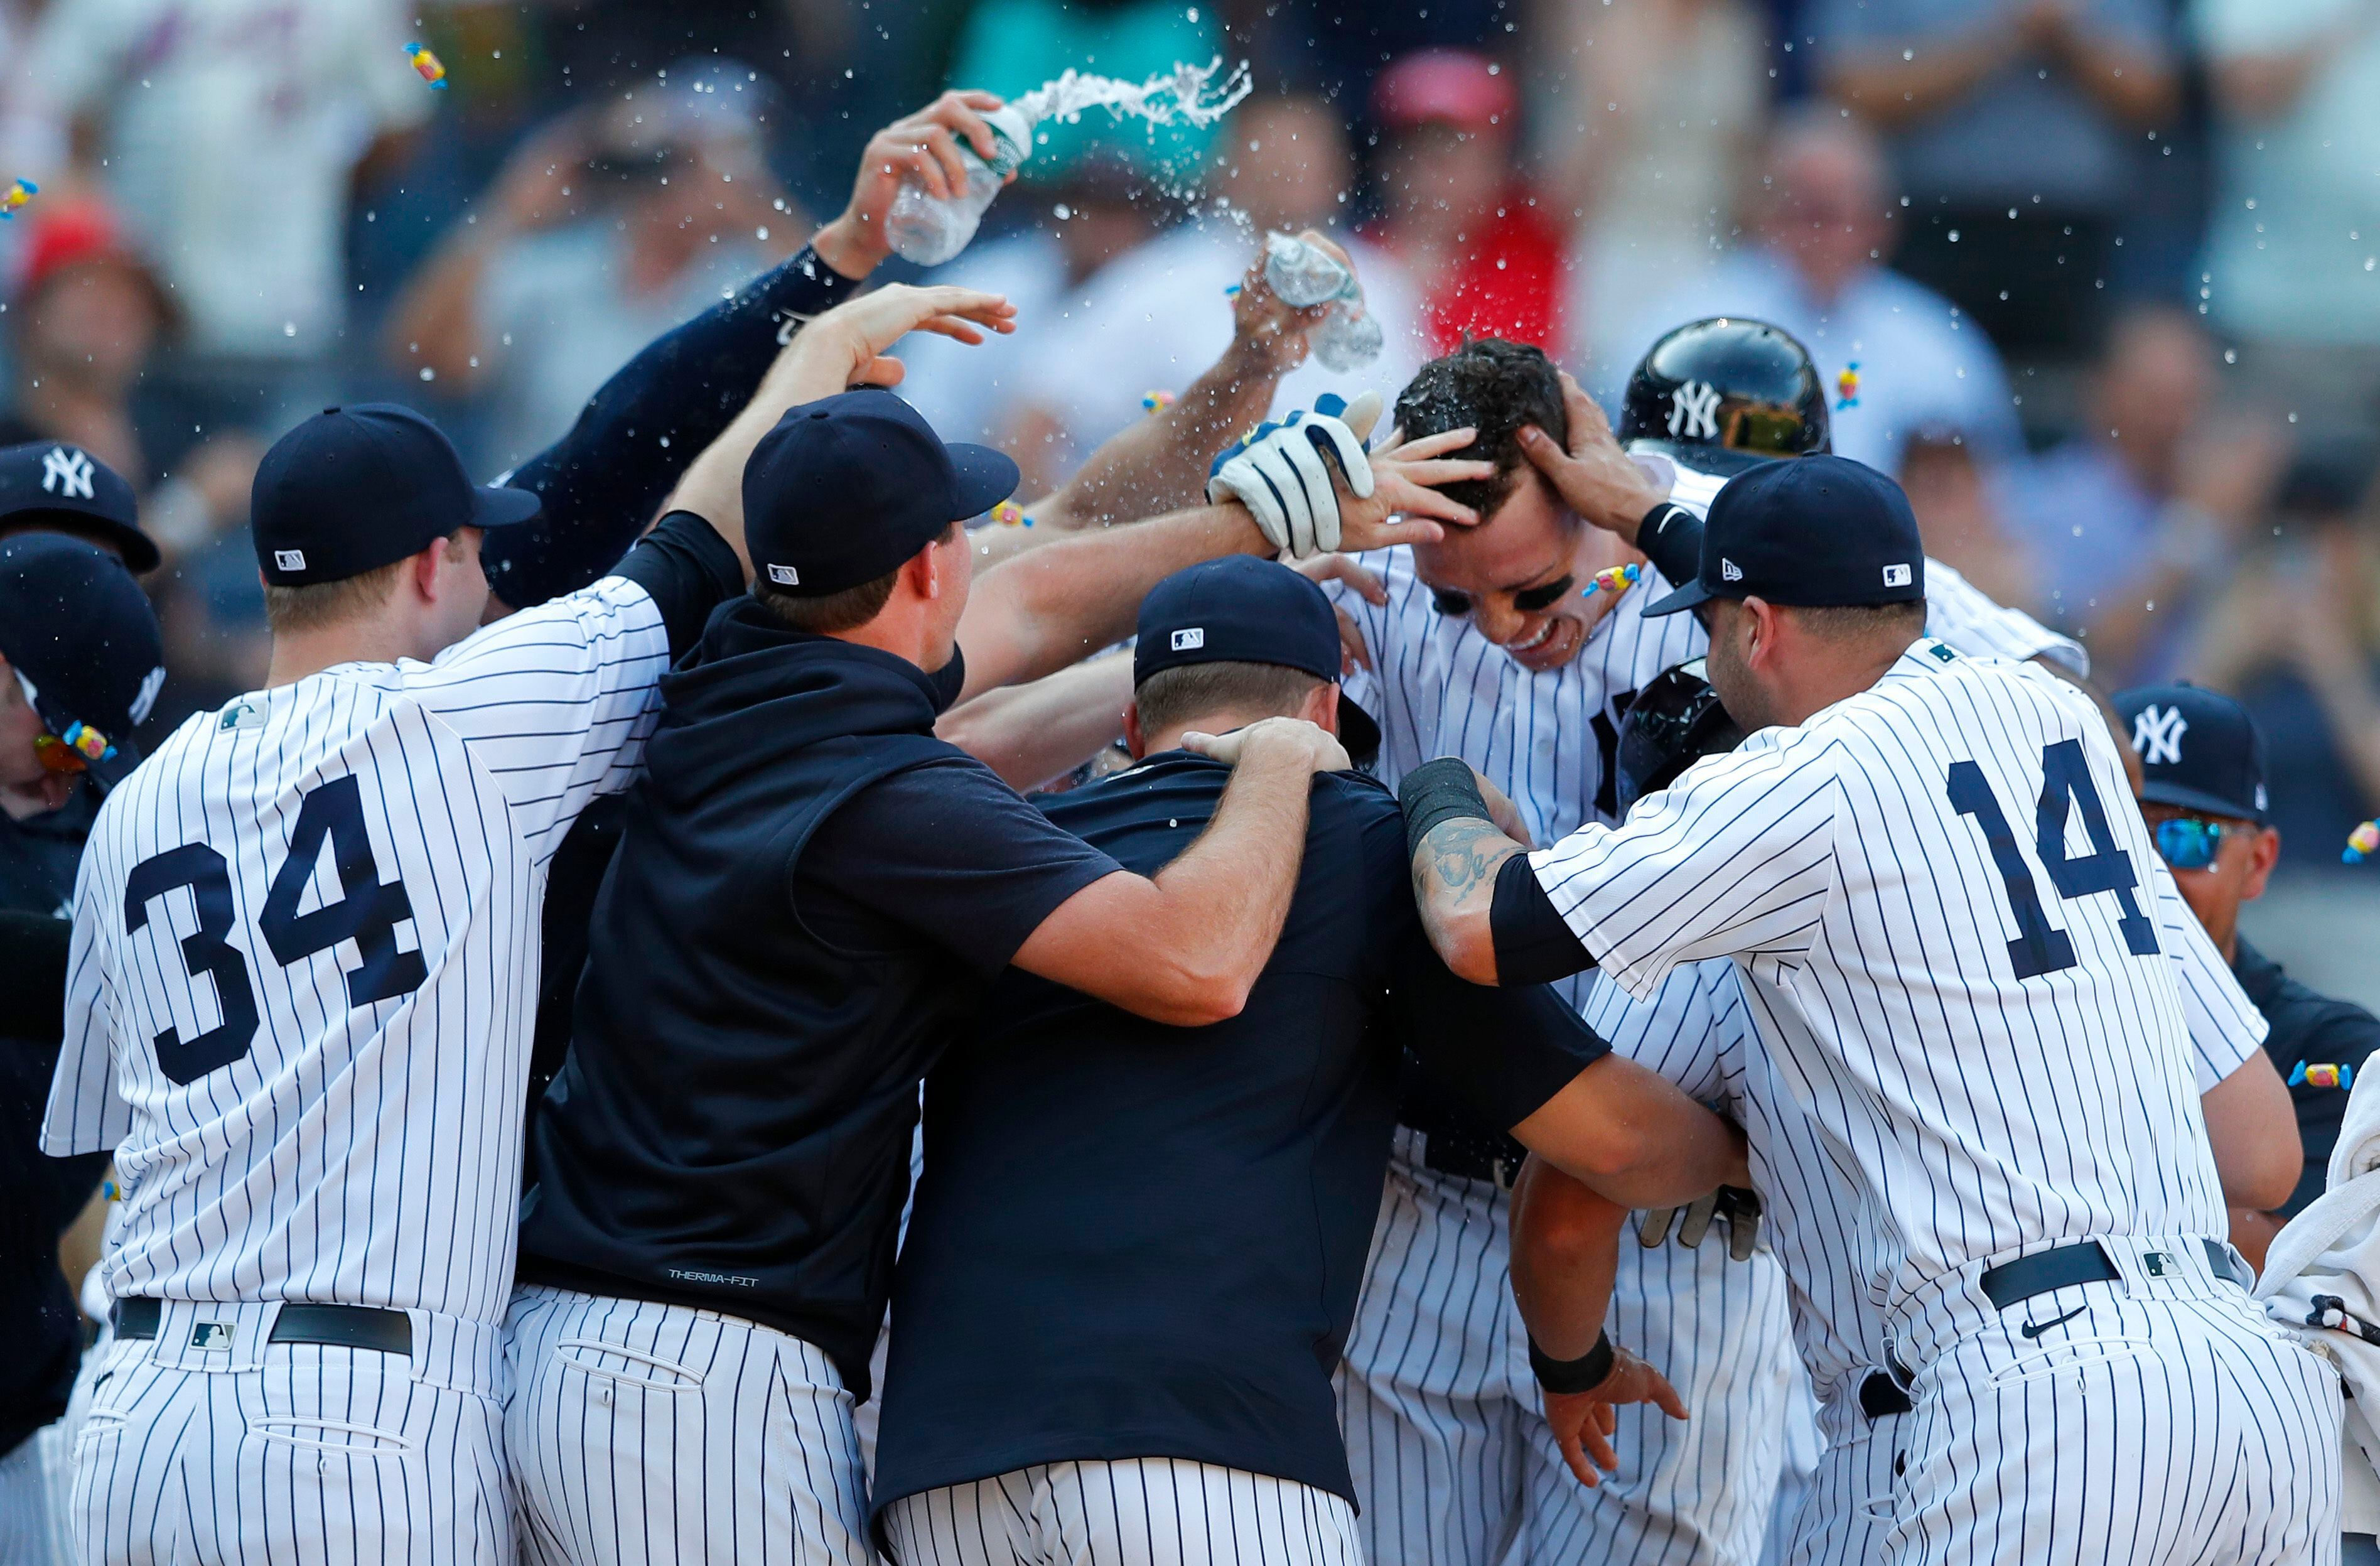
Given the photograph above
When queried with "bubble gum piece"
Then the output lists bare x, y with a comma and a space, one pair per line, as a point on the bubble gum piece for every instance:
1619, 578
19, 192
1008, 514
1155, 401
1847, 387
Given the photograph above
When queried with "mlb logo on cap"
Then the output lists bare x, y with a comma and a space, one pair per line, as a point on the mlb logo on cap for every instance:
1185, 640
1896, 576
289, 559
784, 576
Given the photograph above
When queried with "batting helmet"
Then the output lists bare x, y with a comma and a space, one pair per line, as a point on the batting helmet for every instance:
1726, 383
1675, 721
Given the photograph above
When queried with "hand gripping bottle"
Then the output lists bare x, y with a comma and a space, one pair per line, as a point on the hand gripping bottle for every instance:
929, 230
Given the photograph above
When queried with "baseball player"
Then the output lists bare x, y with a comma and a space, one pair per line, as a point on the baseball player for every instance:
1699, 1027
1980, 1020
1497, 644
303, 963
1107, 1342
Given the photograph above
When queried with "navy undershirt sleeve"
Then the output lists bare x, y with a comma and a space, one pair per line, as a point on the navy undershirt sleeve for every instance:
1532, 943
1671, 538
688, 569
949, 852
1493, 1054
602, 481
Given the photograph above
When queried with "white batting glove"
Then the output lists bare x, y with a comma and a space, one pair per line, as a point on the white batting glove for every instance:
1282, 473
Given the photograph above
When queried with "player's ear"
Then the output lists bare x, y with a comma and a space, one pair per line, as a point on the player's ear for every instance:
2264, 852
1321, 706
1132, 734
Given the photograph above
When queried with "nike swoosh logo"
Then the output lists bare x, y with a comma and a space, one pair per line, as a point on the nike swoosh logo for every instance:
2035, 1329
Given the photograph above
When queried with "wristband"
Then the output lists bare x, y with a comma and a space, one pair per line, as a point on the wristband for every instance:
1437, 792
1569, 1377
1671, 538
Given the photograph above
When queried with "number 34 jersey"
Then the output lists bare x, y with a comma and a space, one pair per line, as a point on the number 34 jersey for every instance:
305, 963
1946, 914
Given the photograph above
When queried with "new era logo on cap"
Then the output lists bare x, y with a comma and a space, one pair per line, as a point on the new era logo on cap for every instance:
784, 576
1896, 576
1728, 571
289, 559
1194, 635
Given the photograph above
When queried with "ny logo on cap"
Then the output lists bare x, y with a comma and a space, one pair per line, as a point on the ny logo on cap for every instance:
289, 560
71, 468
1728, 571
784, 576
2157, 736
1194, 637
1896, 576
1693, 411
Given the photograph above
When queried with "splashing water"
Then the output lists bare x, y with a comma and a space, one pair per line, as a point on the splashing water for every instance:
1187, 94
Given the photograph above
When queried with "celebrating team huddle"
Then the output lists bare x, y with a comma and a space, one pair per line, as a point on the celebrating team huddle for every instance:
1613, 1010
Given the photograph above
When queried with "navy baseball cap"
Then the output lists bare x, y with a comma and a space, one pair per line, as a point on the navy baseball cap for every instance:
1816, 532
355, 488
847, 488
2199, 751
1244, 610
53, 485
80, 634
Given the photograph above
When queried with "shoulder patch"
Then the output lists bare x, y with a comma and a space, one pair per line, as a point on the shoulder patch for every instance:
1943, 651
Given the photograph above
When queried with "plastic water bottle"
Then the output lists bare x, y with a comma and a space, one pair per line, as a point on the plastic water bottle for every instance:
1303, 276
1349, 338
929, 230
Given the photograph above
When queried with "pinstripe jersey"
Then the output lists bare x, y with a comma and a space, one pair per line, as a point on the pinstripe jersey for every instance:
305, 963
1977, 1093
1697, 1030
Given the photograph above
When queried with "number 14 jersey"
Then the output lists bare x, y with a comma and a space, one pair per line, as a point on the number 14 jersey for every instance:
1948, 916
305, 963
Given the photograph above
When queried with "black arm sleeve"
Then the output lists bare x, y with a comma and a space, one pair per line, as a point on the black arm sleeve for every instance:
689, 570
1533, 943
1671, 538
1492, 1056
602, 483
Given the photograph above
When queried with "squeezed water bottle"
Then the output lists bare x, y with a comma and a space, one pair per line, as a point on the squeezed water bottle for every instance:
1303, 276
930, 230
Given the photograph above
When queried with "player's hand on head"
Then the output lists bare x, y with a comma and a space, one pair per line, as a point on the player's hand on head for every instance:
1594, 477
1406, 476
923, 145
1584, 1422
1317, 746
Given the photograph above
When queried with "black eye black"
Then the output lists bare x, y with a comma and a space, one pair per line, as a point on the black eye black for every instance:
1529, 601
1450, 604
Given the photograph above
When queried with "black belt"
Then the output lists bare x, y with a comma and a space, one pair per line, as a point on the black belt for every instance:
331, 1326
1880, 1395
2062, 1266
1473, 1155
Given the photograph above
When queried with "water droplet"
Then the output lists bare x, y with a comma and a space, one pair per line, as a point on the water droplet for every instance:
1909, 53
761, 232
428, 373
289, 329
1954, 237
2230, 356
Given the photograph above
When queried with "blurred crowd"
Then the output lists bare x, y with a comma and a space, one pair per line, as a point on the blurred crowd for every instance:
2092, 278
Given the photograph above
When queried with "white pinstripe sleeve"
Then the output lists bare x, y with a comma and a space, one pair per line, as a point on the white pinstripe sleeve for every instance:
1958, 613
1736, 856
1680, 1032
86, 1113
555, 701
2226, 1029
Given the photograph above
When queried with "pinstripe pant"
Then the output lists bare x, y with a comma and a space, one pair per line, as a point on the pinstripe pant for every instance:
1132, 1512
1847, 1511
1446, 1434
2143, 1430
25, 1532
657, 1433
286, 1453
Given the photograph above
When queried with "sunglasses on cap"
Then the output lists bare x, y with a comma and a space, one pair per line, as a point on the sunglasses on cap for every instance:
2191, 843
74, 750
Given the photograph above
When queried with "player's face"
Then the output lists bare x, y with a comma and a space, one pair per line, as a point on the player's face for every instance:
1525, 576
2217, 862
462, 592
955, 559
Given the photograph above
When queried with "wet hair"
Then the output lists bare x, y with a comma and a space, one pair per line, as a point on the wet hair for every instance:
1192, 691
1497, 388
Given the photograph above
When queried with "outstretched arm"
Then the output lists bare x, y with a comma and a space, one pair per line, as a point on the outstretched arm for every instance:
1032, 732
603, 482
1056, 604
